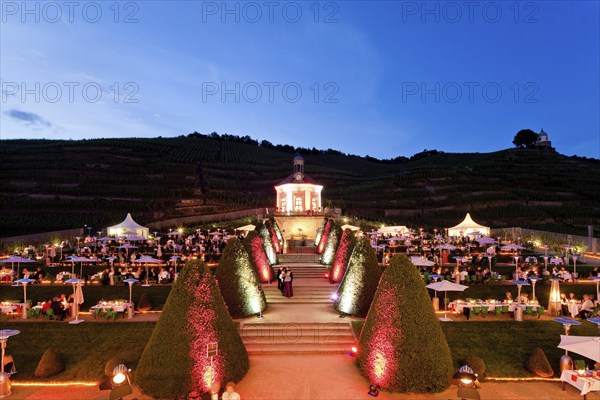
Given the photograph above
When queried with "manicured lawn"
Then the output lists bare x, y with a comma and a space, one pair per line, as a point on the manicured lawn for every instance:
85, 348
505, 346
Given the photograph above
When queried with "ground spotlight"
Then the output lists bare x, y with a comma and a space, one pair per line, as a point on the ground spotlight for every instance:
334, 296
119, 383
467, 383
374, 390
353, 351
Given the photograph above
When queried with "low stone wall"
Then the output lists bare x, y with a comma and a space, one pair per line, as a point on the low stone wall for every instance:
202, 219
43, 237
591, 244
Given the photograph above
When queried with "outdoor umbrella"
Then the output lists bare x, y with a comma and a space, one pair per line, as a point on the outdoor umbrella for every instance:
597, 280
175, 259
130, 281
519, 283
77, 299
148, 260
446, 286
24, 282
485, 241
15, 259
586, 346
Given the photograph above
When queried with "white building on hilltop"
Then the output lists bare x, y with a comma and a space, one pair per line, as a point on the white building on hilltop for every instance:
298, 193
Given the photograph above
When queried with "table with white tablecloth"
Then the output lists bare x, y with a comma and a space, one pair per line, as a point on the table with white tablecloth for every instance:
584, 383
459, 307
574, 308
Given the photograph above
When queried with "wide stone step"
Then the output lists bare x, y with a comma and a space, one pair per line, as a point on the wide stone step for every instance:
312, 348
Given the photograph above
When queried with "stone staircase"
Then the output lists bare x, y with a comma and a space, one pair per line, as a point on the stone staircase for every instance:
298, 338
303, 265
302, 294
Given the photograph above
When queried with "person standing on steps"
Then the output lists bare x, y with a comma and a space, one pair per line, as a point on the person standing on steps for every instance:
279, 277
288, 277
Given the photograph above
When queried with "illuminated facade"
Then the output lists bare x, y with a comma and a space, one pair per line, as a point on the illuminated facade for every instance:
298, 193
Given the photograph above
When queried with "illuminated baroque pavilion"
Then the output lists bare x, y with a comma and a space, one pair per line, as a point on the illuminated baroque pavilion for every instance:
299, 209
298, 193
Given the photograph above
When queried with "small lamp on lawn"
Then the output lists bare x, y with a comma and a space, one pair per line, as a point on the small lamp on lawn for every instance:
566, 363
5, 377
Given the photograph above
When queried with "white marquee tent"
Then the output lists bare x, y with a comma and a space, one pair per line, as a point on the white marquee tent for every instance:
128, 228
469, 228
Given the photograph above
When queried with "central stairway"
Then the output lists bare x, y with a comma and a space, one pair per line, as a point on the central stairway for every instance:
298, 337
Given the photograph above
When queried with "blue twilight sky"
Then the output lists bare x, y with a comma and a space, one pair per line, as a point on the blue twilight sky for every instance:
382, 78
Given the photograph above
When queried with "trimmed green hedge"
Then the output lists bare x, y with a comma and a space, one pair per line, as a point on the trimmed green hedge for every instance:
331, 246
175, 361
238, 281
402, 347
360, 281
342, 256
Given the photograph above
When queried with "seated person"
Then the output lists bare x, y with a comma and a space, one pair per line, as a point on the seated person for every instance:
59, 310
38, 275
46, 305
508, 297
586, 307
9, 364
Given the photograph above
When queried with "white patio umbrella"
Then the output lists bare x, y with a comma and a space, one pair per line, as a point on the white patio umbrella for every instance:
446, 286
16, 259
249, 227
484, 241
519, 283
175, 259
148, 260
597, 280
586, 346
77, 298
24, 282
130, 281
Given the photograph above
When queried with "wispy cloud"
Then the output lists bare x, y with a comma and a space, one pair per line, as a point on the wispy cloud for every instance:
29, 118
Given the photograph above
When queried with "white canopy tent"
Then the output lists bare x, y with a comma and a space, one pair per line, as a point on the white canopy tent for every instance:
128, 228
351, 227
246, 228
469, 228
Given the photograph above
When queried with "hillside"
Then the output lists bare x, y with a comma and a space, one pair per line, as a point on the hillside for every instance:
48, 185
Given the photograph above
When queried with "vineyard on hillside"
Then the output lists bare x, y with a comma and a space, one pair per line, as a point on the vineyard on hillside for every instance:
50, 184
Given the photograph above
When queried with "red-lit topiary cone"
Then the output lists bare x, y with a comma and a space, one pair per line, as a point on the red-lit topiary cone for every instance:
402, 347
253, 243
324, 236
342, 256
175, 361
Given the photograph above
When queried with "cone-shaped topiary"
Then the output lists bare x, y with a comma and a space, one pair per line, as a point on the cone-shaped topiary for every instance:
273, 236
253, 243
320, 231
175, 360
50, 364
145, 302
238, 281
263, 231
277, 230
342, 256
359, 284
324, 236
402, 347
538, 364
331, 246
